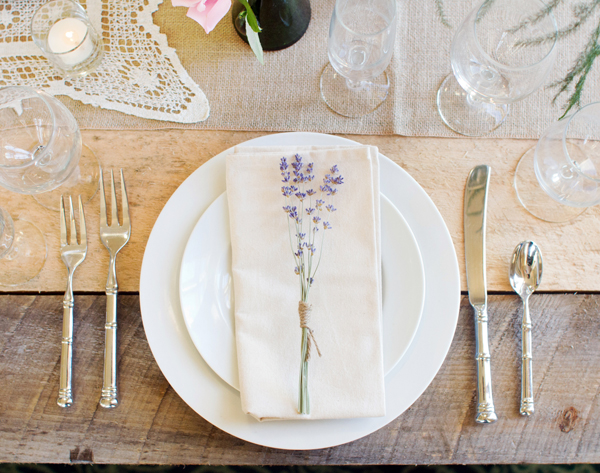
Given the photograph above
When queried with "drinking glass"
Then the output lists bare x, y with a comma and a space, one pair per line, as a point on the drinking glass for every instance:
560, 178
360, 47
502, 52
41, 148
64, 33
22, 250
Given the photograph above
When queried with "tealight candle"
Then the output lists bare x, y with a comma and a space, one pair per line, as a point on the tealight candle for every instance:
69, 39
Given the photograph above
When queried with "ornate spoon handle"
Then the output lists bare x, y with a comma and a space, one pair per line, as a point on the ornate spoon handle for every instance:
527, 407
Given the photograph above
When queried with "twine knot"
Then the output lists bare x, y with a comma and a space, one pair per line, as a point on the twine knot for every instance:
304, 310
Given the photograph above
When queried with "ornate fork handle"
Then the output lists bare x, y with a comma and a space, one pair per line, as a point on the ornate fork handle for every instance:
65, 394
109, 384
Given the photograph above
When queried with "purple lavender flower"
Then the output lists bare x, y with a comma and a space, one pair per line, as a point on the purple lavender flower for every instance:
330, 208
339, 180
310, 211
316, 219
301, 235
326, 226
310, 192
301, 196
326, 189
283, 164
319, 203
297, 271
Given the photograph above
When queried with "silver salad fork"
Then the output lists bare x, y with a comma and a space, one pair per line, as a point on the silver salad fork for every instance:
72, 255
114, 237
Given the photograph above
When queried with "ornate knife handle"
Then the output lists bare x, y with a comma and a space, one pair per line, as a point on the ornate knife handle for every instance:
527, 407
486, 413
109, 384
65, 395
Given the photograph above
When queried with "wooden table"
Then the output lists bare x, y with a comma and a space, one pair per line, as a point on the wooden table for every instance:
153, 425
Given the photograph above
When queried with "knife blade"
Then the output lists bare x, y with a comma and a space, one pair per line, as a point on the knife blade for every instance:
475, 209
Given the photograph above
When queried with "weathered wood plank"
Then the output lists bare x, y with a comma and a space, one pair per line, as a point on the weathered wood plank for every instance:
153, 425
157, 162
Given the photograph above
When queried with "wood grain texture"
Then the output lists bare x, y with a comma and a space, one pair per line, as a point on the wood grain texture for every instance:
157, 162
153, 425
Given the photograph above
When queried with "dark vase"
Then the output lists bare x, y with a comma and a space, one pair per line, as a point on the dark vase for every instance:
283, 22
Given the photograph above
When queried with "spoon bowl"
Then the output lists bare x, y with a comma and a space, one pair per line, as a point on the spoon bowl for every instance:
526, 268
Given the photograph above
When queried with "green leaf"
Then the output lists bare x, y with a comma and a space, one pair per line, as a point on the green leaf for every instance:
251, 17
254, 43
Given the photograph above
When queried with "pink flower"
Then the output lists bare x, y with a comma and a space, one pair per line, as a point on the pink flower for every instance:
206, 12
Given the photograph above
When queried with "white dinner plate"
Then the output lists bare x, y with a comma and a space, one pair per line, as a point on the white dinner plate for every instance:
207, 302
217, 402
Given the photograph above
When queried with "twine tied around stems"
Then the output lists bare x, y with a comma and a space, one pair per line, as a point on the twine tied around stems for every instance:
304, 310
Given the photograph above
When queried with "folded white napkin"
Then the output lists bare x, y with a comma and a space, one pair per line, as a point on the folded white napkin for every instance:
348, 380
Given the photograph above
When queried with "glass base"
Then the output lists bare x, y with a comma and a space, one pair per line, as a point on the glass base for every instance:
84, 182
26, 256
465, 115
534, 198
352, 102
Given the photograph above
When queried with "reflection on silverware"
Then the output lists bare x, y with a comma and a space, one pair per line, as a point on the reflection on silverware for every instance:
475, 206
525, 275
72, 255
114, 237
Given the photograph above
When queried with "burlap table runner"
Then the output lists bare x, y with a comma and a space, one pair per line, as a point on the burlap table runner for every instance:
283, 95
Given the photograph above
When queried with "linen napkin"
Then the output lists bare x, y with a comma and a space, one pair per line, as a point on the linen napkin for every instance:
348, 380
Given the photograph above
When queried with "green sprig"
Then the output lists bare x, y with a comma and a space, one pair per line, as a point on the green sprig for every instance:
574, 81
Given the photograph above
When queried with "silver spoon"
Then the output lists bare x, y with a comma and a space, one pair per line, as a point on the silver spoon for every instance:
525, 276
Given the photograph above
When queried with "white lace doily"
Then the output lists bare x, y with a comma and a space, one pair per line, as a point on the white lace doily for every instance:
139, 75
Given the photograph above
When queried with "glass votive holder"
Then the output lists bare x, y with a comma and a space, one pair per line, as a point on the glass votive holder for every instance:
64, 33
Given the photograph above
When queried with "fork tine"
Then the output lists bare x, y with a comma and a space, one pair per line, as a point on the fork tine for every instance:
63, 223
82, 229
125, 202
102, 202
114, 217
73, 235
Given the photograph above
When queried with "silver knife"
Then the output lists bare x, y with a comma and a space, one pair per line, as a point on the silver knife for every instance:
474, 221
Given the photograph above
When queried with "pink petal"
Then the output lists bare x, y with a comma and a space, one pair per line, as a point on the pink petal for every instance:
214, 11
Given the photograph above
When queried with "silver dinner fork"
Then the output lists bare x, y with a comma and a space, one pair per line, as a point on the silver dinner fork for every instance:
72, 255
114, 237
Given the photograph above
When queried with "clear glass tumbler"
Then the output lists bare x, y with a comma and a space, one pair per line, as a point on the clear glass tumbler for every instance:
502, 52
560, 178
360, 48
64, 33
41, 148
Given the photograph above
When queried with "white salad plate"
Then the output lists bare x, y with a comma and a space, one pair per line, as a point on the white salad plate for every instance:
217, 402
206, 290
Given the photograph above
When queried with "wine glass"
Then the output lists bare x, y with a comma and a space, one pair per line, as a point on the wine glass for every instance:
560, 178
41, 148
360, 47
22, 250
502, 52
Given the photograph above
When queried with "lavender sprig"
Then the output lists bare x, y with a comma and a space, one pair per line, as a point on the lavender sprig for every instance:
306, 223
